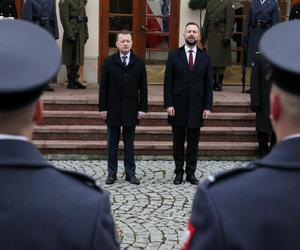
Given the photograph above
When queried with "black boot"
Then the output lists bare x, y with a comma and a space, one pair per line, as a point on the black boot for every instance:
77, 82
219, 83
71, 82
48, 88
263, 147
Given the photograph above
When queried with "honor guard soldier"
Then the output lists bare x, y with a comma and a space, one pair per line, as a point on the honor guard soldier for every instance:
257, 207
218, 29
41, 207
262, 15
74, 21
295, 12
42, 13
260, 92
8, 9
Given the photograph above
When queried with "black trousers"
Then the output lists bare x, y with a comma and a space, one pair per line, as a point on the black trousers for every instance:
192, 137
113, 139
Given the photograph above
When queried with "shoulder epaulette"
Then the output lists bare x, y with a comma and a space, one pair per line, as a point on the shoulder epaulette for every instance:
257, 52
212, 179
82, 177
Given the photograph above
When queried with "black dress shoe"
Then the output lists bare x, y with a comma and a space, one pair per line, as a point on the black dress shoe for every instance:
134, 180
178, 179
192, 179
110, 179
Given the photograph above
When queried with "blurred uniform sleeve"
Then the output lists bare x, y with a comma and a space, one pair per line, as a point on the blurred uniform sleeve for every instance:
204, 230
105, 234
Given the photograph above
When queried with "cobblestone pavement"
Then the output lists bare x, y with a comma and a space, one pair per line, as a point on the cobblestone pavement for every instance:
152, 215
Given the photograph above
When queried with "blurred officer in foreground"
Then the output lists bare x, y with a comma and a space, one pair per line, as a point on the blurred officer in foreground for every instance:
218, 29
74, 21
257, 207
8, 9
41, 207
42, 13
260, 91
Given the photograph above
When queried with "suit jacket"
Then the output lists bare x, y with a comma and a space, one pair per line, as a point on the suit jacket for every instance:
260, 93
45, 208
123, 90
188, 92
269, 11
43, 13
255, 207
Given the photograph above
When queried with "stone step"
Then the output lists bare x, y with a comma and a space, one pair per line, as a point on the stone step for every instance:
154, 148
153, 106
143, 133
152, 119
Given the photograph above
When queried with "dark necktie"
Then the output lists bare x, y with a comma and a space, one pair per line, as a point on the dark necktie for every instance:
124, 58
191, 64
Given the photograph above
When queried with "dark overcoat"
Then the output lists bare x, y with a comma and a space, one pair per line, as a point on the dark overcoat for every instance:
123, 90
295, 12
45, 208
74, 28
218, 25
188, 92
8, 8
255, 207
43, 13
260, 93
267, 12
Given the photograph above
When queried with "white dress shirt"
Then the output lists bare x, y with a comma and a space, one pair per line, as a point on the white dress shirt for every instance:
187, 52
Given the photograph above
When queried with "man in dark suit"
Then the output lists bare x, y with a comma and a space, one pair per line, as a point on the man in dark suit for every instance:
41, 207
188, 99
123, 101
260, 92
257, 207
42, 13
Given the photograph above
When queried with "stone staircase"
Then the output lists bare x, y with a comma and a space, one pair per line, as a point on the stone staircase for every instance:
71, 125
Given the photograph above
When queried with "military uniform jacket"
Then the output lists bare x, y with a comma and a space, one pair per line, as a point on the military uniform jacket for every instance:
188, 92
268, 15
43, 13
256, 207
8, 8
74, 21
260, 92
44, 208
123, 90
218, 25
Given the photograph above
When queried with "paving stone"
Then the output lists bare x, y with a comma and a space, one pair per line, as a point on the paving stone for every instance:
154, 214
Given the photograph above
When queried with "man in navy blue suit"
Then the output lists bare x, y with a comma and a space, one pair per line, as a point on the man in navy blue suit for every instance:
41, 207
257, 207
123, 102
